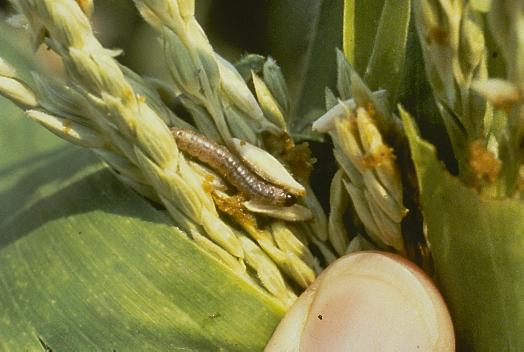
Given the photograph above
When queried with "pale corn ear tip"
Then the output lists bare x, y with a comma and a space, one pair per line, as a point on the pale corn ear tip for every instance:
326, 122
7, 70
500, 93
234, 87
18, 92
267, 166
67, 129
276, 83
293, 213
367, 301
267, 102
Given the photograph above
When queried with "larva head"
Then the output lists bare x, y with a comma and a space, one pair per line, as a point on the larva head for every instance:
177, 132
182, 137
288, 199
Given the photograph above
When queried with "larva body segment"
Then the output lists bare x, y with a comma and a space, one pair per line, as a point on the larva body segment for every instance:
220, 159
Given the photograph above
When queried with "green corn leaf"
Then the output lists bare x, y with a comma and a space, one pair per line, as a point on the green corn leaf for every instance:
86, 264
477, 246
385, 66
303, 38
361, 20
417, 97
375, 41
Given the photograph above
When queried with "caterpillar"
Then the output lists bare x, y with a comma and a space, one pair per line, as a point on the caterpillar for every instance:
229, 166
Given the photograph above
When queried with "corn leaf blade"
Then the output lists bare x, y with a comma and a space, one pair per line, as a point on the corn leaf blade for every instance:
389, 51
303, 38
477, 246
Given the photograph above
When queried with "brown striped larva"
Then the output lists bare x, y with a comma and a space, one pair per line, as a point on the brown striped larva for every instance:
229, 166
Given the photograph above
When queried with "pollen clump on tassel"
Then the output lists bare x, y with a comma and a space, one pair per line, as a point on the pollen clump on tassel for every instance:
383, 155
233, 207
483, 163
